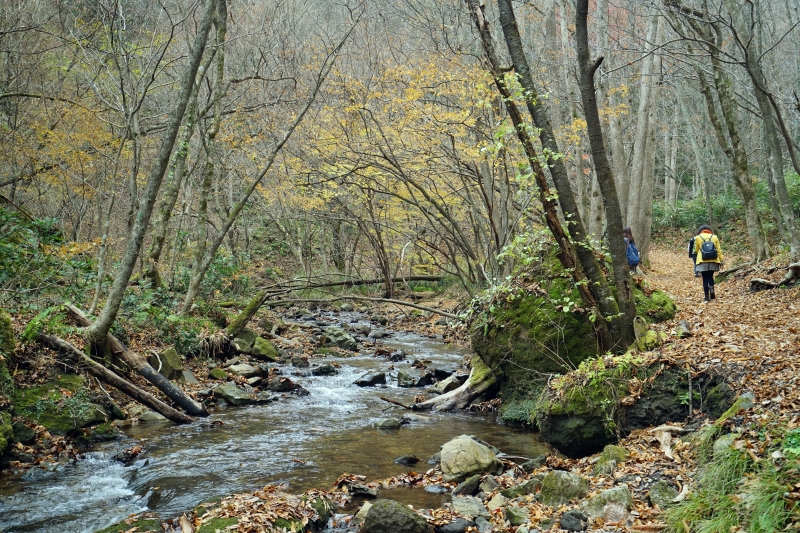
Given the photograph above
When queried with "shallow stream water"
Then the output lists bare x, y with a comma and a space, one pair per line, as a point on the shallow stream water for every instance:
306, 442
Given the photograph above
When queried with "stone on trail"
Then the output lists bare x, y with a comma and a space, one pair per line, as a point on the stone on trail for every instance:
595, 506
386, 516
559, 487
463, 457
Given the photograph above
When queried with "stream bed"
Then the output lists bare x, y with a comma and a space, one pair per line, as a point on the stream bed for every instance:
305, 442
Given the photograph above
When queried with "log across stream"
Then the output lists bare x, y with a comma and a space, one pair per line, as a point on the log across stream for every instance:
305, 442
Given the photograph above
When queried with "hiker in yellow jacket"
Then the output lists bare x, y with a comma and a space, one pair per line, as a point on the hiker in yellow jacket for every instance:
708, 259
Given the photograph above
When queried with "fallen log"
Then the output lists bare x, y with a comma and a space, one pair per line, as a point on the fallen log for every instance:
759, 284
140, 365
365, 298
395, 402
481, 379
109, 377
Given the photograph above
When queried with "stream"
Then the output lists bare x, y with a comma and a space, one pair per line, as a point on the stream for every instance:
305, 442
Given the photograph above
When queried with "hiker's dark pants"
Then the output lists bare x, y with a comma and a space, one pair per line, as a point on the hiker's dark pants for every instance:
708, 281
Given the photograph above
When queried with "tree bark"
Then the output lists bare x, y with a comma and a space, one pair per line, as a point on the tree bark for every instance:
140, 365
586, 70
97, 332
107, 376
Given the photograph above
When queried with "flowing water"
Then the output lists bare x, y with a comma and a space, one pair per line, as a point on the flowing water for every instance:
306, 442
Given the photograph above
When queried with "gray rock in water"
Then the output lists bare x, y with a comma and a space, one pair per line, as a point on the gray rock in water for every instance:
459, 525
236, 396
359, 489
397, 356
407, 460
388, 516
151, 416
463, 457
387, 423
469, 506
451, 383
662, 494
573, 520
324, 370
414, 378
468, 487
379, 334
595, 505
371, 379
559, 487
435, 459
300, 362
335, 336
244, 370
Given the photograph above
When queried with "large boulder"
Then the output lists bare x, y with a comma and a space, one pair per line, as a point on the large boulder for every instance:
463, 457
559, 487
61, 406
168, 363
389, 516
265, 350
335, 336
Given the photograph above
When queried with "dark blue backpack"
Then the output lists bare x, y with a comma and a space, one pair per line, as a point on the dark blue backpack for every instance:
633, 255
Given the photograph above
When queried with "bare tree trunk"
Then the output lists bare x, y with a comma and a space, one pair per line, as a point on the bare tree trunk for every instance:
699, 157
96, 333
586, 70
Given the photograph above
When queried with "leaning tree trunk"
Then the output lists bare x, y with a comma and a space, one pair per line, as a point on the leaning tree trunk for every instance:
140, 365
109, 377
98, 331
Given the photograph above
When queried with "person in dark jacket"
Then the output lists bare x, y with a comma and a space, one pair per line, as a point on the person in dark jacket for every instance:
708, 265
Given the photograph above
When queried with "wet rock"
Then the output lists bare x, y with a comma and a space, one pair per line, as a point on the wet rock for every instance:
379, 334
244, 370
516, 516
469, 506
463, 457
459, 525
168, 363
218, 373
413, 378
397, 356
151, 416
595, 505
387, 423
407, 460
263, 350
533, 464
559, 487
379, 319
335, 336
300, 362
282, 384
236, 396
371, 379
527, 487
324, 370
468, 487
386, 516
361, 329
245, 340
573, 520
437, 489
661, 494
364, 491
451, 383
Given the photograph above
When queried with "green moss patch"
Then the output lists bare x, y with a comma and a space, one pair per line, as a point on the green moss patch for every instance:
61, 405
652, 304
217, 524
145, 525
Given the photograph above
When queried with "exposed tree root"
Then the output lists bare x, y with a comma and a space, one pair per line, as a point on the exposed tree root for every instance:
792, 274
480, 381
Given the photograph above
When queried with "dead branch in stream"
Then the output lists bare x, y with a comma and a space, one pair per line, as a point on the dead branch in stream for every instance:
395, 402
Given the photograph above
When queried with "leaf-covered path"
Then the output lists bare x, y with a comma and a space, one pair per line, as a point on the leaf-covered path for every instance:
755, 335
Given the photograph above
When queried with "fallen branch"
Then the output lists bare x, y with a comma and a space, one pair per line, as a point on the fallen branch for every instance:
107, 376
481, 379
759, 284
395, 402
380, 300
140, 365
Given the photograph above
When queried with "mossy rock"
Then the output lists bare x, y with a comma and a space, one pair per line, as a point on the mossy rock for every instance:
218, 373
519, 411
288, 524
531, 334
59, 412
653, 305
147, 525
168, 363
8, 344
217, 524
6, 432
6, 381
